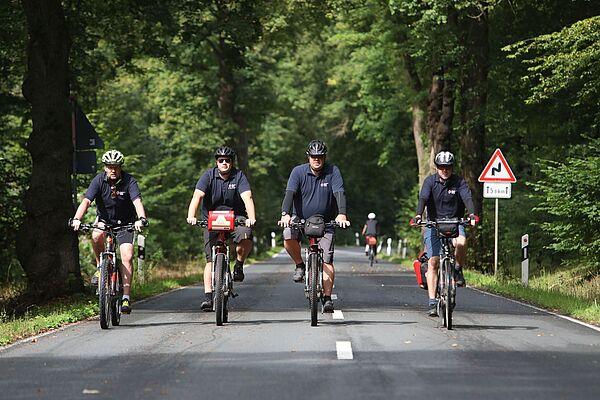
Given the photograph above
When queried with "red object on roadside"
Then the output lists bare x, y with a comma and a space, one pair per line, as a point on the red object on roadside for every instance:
221, 221
420, 267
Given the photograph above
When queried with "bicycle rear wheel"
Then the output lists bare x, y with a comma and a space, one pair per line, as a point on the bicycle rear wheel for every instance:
117, 292
313, 276
219, 300
371, 256
104, 293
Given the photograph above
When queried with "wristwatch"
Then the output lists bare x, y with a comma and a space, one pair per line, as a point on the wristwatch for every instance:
283, 213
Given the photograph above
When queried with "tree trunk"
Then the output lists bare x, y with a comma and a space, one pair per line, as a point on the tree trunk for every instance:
228, 106
47, 250
440, 111
418, 123
474, 101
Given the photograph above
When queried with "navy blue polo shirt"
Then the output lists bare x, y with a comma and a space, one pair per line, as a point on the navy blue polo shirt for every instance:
221, 192
445, 199
117, 210
314, 194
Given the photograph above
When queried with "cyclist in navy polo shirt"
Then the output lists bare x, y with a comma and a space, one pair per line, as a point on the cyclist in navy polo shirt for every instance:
314, 188
224, 187
118, 202
445, 195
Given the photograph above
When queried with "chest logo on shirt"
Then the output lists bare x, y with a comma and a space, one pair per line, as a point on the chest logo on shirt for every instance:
452, 191
324, 184
232, 186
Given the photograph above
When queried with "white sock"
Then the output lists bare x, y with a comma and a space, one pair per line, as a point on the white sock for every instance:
125, 296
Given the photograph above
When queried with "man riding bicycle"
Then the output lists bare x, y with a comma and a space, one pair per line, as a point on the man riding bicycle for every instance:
118, 202
445, 195
314, 188
224, 187
371, 231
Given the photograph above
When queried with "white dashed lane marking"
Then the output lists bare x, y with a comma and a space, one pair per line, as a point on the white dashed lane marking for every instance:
338, 314
333, 296
344, 350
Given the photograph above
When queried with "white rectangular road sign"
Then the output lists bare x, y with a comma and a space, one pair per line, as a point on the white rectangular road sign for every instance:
497, 190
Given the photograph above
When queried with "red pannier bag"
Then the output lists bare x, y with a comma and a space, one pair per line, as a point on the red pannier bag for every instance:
420, 267
221, 221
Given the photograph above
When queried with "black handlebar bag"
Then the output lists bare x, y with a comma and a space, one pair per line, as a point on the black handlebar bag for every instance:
315, 226
447, 229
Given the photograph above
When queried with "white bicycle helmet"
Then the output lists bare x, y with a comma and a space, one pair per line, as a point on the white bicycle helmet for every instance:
371, 216
444, 158
113, 157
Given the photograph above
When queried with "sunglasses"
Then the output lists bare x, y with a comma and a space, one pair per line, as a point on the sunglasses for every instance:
224, 160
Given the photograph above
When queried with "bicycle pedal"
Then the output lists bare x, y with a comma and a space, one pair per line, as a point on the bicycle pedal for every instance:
234, 295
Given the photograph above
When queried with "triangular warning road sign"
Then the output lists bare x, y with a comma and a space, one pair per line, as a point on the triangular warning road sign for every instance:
497, 170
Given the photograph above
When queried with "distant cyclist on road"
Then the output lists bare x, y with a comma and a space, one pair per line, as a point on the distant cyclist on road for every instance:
314, 188
118, 202
224, 187
445, 195
371, 231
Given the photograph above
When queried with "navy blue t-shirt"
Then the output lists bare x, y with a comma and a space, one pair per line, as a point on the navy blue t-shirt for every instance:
445, 199
114, 207
220, 192
314, 194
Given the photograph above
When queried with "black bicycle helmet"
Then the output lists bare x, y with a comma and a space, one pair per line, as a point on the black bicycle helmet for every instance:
444, 158
224, 151
316, 148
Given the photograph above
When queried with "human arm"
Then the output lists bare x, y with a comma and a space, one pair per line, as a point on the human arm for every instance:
81, 210
340, 197
249, 204
467, 199
193, 207
141, 213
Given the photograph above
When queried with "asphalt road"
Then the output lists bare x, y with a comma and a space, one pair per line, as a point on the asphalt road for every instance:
378, 345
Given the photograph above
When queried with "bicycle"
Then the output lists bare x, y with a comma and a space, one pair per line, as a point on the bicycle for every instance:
222, 222
372, 242
313, 286
447, 229
110, 282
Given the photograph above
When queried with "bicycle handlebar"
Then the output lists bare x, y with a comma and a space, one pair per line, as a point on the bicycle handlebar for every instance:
434, 224
84, 228
299, 224
203, 223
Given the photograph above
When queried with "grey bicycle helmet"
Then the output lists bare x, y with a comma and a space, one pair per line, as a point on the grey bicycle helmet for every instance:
224, 151
444, 158
113, 157
316, 148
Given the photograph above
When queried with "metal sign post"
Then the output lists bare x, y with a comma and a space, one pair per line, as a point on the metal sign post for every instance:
497, 178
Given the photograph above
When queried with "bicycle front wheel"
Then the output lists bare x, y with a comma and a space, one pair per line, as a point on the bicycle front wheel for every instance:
104, 293
219, 288
115, 310
447, 279
313, 276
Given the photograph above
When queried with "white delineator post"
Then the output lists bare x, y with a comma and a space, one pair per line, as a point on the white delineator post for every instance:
388, 250
141, 242
356, 236
273, 242
525, 260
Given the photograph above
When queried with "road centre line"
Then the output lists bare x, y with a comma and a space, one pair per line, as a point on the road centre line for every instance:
344, 350
338, 314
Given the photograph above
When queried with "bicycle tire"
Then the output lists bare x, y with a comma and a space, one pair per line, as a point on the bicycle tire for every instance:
447, 277
104, 294
313, 275
115, 314
371, 256
229, 287
219, 300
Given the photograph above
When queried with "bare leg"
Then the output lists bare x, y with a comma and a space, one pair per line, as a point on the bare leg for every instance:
243, 249
292, 246
208, 277
328, 278
97, 244
432, 275
127, 270
460, 250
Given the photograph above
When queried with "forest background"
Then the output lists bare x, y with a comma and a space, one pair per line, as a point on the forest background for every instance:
385, 83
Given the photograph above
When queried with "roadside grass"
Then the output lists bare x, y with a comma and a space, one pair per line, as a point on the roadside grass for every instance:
59, 312
574, 292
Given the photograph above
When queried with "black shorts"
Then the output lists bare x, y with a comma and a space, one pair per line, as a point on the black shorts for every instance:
240, 233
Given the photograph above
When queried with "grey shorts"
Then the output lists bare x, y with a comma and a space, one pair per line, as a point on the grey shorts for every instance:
326, 242
240, 233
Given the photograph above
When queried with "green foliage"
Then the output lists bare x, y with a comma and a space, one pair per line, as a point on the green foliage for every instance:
569, 191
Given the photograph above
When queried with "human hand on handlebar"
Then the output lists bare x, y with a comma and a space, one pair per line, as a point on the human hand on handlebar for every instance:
285, 221
75, 223
474, 219
250, 222
192, 220
342, 221
417, 219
